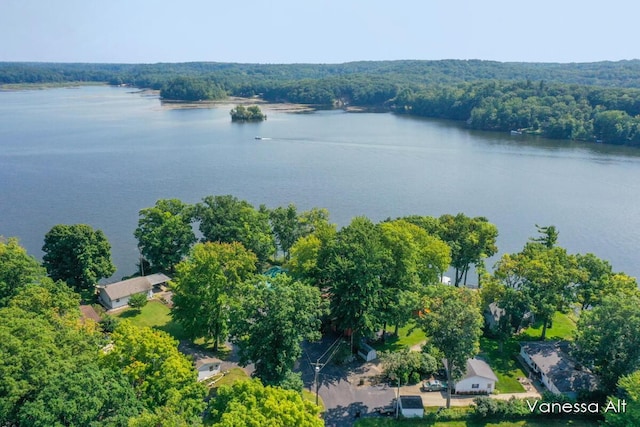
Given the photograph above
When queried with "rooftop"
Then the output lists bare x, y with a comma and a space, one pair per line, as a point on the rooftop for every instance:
411, 402
479, 368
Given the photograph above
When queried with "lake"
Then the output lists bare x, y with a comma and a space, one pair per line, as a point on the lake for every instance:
98, 155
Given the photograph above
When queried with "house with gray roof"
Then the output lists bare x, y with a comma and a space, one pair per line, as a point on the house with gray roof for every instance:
116, 295
411, 406
479, 378
551, 363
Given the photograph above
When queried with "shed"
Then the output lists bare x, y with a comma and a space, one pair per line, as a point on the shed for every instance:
207, 367
411, 406
479, 378
367, 352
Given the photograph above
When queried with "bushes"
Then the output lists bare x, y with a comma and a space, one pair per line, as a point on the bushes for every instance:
409, 366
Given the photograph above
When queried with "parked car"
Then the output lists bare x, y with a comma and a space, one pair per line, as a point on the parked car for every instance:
433, 385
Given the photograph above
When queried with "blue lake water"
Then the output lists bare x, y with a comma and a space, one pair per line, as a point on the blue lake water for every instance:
98, 155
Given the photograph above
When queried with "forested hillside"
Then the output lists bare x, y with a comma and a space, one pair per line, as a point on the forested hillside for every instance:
588, 101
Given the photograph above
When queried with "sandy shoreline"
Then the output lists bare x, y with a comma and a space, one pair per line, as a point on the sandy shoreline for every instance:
234, 100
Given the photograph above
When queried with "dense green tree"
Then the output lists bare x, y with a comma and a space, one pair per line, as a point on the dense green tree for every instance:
48, 298
598, 280
402, 365
159, 373
316, 233
453, 322
227, 219
607, 339
544, 277
252, 113
250, 404
165, 234
137, 301
353, 264
82, 395
548, 236
629, 390
470, 239
78, 255
414, 259
271, 322
191, 89
207, 284
286, 229
17, 269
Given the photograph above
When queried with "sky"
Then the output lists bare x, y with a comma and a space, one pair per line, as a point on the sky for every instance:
321, 31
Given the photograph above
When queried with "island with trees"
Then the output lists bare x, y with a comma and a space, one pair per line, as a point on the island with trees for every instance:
365, 284
252, 113
595, 102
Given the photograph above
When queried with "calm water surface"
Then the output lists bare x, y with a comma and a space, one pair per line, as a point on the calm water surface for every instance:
98, 155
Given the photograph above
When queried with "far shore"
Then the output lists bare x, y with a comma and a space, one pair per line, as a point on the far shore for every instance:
234, 100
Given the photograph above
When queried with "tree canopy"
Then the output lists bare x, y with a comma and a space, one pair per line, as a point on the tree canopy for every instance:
78, 255
207, 284
165, 234
17, 269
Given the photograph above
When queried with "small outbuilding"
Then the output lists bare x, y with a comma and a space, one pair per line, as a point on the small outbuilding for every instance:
207, 367
366, 352
479, 378
411, 406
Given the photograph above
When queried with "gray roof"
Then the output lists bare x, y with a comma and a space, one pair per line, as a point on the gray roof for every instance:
158, 278
479, 368
127, 288
411, 402
552, 358
206, 361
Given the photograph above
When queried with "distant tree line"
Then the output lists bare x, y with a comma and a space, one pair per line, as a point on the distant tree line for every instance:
591, 102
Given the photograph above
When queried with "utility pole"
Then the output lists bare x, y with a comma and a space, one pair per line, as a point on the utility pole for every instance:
315, 378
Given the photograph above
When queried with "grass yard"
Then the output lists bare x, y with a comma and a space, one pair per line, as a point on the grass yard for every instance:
562, 329
506, 368
408, 336
154, 315
390, 422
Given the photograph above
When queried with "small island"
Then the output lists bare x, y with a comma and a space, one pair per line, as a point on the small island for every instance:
251, 113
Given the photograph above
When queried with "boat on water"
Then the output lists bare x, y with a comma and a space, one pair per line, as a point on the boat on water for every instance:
516, 132
261, 138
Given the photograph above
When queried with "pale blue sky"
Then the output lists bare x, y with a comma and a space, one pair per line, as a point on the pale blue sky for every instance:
288, 31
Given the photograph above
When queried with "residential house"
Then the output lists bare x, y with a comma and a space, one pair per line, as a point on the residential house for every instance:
207, 367
116, 295
551, 363
411, 406
479, 378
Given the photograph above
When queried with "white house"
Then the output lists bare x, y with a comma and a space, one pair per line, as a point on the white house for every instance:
550, 362
411, 406
116, 295
479, 378
207, 367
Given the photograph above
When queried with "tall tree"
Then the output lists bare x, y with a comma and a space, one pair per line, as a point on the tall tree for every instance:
78, 255
17, 269
548, 236
629, 390
352, 265
414, 259
271, 322
317, 234
165, 234
227, 219
470, 239
606, 338
159, 373
286, 229
453, 323
206, 285
249, 403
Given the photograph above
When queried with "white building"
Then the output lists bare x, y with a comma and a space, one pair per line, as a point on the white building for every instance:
116, 295
479, 378
550, 362
207, 367
411, 406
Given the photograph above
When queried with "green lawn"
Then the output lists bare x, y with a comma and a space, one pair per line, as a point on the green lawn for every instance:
504, 365
154, 315
408, 336
390, 422
562, 329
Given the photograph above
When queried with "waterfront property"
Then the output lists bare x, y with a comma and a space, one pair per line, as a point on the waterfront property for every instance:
116, 295
550, 362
